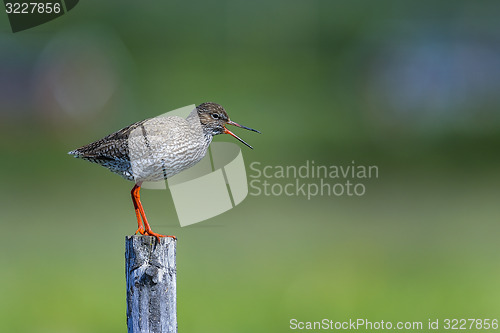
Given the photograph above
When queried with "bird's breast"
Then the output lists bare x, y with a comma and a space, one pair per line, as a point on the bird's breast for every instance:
163, 147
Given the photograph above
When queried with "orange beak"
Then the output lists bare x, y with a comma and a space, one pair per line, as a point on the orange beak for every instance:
226, 131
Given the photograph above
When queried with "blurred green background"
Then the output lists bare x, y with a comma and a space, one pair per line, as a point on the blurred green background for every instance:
412, 87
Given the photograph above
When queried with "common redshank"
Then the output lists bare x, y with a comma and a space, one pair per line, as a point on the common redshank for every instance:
158, 148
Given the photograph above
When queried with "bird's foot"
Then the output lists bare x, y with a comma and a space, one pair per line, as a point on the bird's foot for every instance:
151, 233
140, 230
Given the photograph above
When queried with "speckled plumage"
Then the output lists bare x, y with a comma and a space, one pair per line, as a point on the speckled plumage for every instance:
154, 149
158, 148
150, 150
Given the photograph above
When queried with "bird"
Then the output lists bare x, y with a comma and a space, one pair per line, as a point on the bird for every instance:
158, 148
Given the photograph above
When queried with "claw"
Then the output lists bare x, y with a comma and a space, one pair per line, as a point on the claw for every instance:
154, 234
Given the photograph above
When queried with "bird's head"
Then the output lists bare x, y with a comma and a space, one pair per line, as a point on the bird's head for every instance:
214, 119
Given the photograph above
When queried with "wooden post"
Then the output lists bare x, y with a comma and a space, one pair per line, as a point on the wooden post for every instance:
151, 284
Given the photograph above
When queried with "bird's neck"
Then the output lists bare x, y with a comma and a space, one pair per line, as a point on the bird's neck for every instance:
193, 116
194, 119
208, 138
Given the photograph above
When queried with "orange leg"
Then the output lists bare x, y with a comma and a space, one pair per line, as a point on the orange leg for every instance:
135, 194
139, 212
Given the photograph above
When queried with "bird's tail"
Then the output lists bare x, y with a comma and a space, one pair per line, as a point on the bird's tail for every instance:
75, 153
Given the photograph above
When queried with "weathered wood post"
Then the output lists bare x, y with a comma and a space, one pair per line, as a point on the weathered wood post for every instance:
151, 284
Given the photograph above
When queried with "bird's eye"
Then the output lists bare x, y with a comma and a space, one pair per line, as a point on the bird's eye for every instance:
215, 116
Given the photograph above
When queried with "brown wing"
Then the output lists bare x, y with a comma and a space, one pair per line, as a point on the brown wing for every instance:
113, 147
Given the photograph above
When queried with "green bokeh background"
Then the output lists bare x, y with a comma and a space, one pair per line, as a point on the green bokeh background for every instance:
411, 87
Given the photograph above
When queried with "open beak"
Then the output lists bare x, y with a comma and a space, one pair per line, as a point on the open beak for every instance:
226, 131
